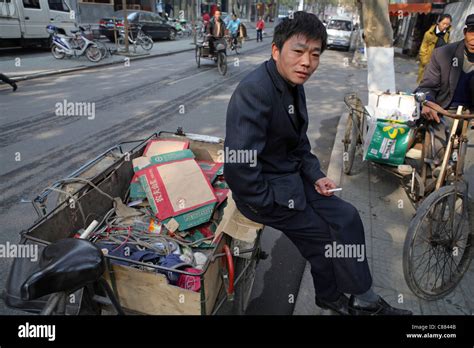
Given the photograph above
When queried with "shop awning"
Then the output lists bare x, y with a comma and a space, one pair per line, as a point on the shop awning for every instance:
405, 9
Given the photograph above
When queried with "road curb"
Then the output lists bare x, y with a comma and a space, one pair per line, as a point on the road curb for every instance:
87, 67
335, 173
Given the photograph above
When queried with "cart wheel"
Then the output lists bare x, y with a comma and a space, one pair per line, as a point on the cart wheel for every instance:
350, 143
198, 56
437, 249
244, 286
222, 63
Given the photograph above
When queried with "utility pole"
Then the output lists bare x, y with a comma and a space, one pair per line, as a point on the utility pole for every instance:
194, 9
125, 23
301, 5
379, 40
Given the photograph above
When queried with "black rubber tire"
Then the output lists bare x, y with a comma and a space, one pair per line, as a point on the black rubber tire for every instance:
198, 56
222, 63
172, 35
409, 267
244, 287
146, 43
350, 144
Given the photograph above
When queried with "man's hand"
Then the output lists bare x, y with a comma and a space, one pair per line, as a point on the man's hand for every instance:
324, 184
429, 114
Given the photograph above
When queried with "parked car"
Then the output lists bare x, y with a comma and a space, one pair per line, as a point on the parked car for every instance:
152, 25
339, 32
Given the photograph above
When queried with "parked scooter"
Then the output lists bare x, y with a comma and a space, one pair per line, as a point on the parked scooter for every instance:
73, 46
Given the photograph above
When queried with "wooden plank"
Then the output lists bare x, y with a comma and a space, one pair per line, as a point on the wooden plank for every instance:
149, 293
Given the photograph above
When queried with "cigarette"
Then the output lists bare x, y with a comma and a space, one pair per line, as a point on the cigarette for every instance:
335, 189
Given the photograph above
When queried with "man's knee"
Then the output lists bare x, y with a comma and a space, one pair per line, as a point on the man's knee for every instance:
349, 214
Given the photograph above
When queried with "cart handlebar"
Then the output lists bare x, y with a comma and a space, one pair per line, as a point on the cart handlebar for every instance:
446, 113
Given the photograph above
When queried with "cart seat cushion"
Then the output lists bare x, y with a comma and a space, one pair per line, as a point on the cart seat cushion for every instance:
66, 265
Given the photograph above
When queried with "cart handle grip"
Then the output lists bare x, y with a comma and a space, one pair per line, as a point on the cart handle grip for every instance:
230, 268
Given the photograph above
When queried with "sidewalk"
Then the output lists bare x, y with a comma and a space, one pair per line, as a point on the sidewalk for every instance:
29, 66
377, 197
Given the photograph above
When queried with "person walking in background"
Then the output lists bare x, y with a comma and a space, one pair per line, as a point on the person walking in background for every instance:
9, 81
260, 27
436, 36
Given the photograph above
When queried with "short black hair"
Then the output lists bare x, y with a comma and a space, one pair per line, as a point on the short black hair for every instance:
445, 15
302, 23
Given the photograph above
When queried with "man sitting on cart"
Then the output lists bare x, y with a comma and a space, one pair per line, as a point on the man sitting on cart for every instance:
449, 81
285, 188
215, 30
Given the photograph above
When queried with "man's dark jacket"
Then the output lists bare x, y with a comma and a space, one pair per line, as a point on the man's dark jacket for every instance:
259, 119
442, 73
212, 23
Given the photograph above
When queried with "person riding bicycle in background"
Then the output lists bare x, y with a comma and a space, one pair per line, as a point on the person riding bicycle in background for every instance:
234, 27
449, 81
215, 29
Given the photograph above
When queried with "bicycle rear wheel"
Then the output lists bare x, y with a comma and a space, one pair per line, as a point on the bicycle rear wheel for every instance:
350, 143
146, 42
437, 250
222, 63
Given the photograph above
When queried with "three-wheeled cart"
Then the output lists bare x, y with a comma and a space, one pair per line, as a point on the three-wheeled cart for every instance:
227, 275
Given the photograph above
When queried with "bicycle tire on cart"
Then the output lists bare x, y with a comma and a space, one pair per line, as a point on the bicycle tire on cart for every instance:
451, 246
350, 143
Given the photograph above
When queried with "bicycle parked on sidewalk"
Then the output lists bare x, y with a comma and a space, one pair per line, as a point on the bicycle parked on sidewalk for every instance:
141, 39
438, 245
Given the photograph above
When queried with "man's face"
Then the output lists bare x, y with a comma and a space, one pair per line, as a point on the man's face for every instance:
469, 38
298, 59
444, 24
217, 15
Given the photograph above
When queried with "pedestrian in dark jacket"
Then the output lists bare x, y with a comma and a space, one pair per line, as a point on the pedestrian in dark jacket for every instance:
5, 79
285, 187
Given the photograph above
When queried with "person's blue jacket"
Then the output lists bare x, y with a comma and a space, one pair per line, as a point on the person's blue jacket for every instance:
233, 26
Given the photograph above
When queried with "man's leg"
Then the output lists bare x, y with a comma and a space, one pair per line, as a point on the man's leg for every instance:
347, 238
351, 271
5, 79
310, 234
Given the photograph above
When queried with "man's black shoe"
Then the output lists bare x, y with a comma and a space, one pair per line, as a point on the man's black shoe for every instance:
341, 305
381, 307
14, 86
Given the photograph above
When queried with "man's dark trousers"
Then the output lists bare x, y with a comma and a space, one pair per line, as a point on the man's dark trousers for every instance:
324, 220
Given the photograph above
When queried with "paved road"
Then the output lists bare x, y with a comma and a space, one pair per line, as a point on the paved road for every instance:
38, 147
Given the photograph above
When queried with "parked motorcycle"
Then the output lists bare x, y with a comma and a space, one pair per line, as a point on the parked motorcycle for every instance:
73, 46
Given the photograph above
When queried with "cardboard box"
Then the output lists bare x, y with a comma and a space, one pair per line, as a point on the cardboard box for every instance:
162, 146
211, 169
179, 189
139, 163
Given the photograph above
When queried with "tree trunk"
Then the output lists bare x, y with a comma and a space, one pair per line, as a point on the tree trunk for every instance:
378, 38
